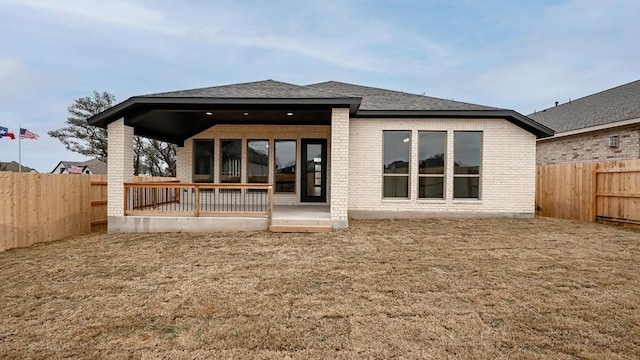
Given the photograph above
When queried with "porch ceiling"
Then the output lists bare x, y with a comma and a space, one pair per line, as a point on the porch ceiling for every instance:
175, 123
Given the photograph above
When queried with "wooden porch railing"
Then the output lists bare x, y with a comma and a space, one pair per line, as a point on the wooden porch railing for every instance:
190, 199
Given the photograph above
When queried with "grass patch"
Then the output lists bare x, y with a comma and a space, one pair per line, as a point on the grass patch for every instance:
438, 288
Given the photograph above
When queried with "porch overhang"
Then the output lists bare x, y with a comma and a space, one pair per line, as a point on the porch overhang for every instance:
176, 119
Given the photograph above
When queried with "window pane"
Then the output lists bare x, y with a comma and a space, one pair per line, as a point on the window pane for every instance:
396, 186
231, 163
396, 152
285, 166
431, 187
258, 161
466, 150
203, 160
431, 150
466, 187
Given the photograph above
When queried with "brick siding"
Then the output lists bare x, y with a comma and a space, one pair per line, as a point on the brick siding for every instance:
507, 168
590, 147
120, 165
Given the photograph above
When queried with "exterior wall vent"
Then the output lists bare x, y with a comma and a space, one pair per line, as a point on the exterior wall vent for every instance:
613, 141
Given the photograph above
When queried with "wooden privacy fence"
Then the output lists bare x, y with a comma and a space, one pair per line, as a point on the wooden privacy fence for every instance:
608, 191
43, 207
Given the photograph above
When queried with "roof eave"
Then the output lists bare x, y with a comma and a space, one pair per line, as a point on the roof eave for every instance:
104, 118
514, 117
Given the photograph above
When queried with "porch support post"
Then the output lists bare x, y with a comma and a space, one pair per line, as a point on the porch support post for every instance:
339, 167
119, 167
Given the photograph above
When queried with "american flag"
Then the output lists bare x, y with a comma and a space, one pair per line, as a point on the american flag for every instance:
26, 134
72, 169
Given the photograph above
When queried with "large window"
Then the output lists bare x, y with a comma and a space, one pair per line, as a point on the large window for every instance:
396, 146
467, 147
431, 162
285, 176
231, 162
258, 161
203, 160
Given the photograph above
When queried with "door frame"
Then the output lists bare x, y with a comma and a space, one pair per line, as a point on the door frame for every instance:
303, 174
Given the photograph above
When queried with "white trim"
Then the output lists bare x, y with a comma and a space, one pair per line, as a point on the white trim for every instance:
592, 128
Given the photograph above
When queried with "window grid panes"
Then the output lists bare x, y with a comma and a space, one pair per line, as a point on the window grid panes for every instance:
467, 154
231, 161
431, 164
258, 161
285, 166
397, 153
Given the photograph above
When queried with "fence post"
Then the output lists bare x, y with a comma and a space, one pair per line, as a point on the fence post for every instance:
270, 202
594, 191
196, 205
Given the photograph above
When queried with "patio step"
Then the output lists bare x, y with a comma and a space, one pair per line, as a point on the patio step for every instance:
300, 228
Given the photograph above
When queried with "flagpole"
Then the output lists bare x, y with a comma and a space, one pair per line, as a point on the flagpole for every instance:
19, 150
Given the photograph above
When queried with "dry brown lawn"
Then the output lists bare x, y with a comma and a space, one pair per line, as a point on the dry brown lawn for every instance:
470, 289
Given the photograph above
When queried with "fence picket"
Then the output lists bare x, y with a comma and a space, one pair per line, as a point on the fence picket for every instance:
589, 191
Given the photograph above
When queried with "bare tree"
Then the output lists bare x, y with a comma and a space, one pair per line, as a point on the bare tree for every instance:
151, 157
78, 136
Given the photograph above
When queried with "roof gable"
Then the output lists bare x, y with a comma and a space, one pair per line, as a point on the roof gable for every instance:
613, 105
96, 166
390, 100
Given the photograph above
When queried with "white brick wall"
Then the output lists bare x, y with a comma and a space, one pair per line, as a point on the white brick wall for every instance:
340, 167
184, 164
119, 164
507, 169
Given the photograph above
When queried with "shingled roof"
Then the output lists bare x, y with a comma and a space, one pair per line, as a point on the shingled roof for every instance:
269, 89
177, 115
382, 99
14, 166
617, 104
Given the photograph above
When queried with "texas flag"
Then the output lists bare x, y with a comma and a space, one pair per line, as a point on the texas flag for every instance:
5, 132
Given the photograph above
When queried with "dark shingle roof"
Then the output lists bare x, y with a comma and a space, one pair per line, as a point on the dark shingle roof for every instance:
14, 167
259, 89
609, 106
382, 99
363, 102
96, 166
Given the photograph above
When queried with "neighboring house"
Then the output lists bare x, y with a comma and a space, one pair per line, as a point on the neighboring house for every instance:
358, 151
601, 127
89, 167
14, 166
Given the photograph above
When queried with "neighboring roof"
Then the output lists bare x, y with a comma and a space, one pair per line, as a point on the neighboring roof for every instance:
14, 166
617, 104
177, 115
96, 166
382, 99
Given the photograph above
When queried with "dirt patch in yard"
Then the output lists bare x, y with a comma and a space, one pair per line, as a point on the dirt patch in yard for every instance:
476, 289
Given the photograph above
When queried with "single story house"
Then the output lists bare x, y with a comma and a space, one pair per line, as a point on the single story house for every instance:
600, 127
89, 167
329, 149
14, 166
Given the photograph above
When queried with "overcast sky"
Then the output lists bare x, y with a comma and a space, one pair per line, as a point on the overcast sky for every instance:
522, 55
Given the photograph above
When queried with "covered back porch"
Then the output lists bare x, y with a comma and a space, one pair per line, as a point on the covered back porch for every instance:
239, 159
